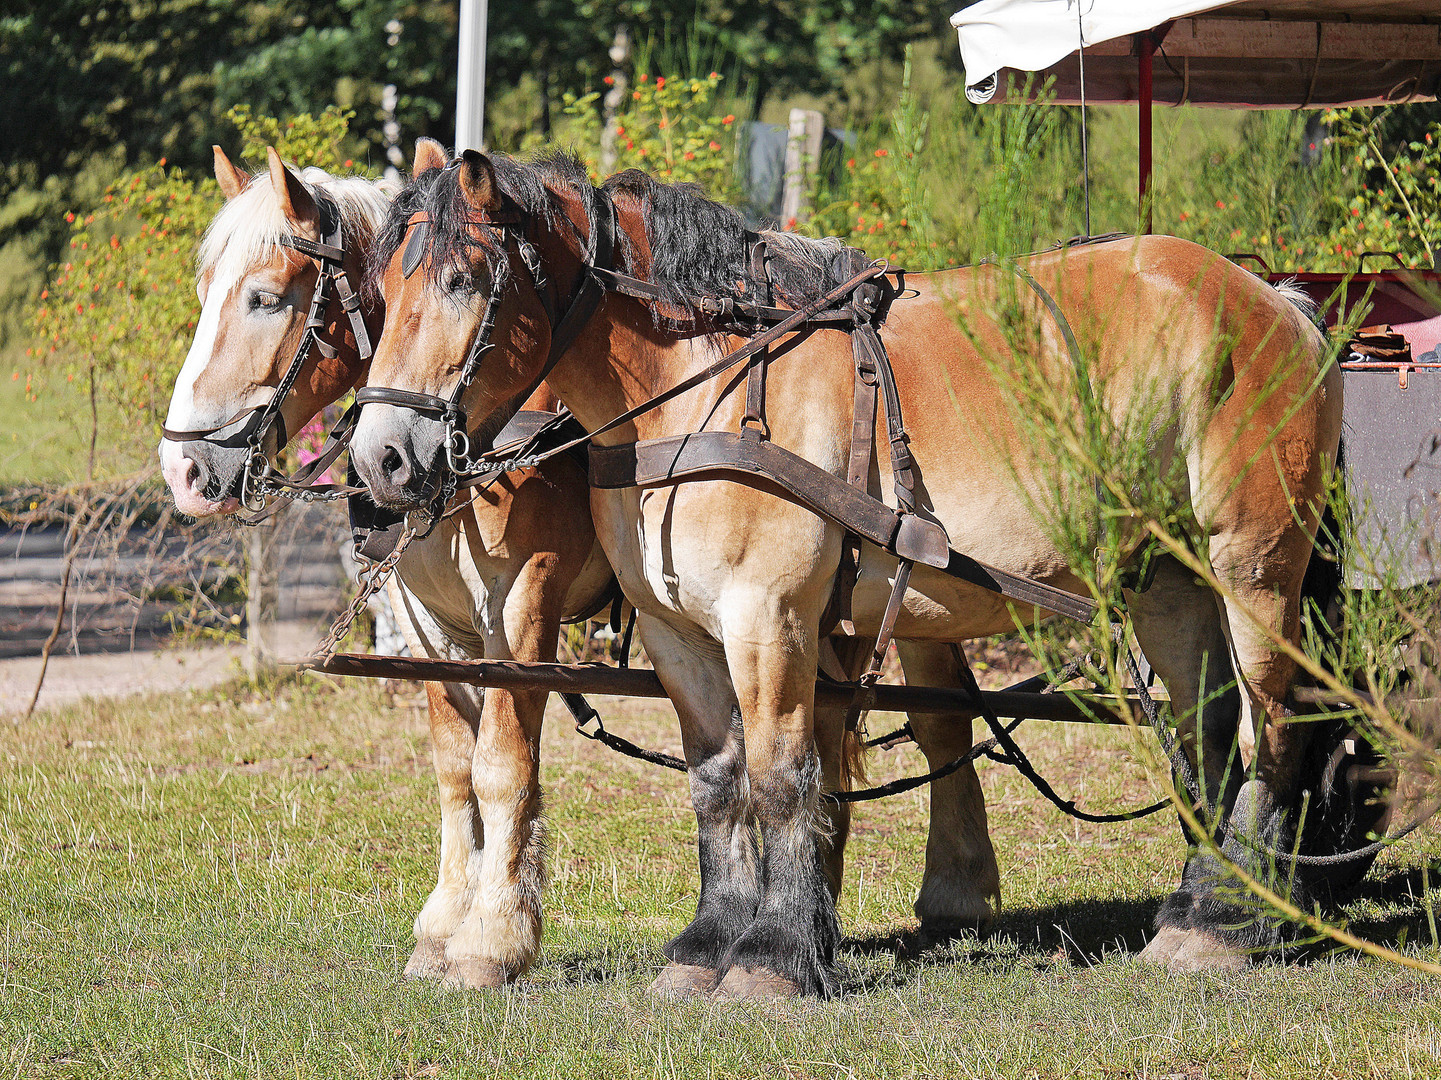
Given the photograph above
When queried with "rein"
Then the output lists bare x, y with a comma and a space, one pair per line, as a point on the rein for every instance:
256, 422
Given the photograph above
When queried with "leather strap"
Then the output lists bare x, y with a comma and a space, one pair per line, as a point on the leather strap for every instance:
909, 536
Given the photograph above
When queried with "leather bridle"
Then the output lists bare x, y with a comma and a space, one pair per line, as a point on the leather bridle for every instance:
510, 222
259, 477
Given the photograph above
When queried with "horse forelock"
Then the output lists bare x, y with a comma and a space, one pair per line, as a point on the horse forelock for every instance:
248, 230
538, 185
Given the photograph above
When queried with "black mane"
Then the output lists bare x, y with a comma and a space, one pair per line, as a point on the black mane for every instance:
699, 248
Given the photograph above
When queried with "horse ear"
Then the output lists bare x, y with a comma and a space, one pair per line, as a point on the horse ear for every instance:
429, 154
231, 180
297, 203
477, 180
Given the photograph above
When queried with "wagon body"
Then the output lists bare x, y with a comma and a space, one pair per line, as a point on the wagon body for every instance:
1291, 54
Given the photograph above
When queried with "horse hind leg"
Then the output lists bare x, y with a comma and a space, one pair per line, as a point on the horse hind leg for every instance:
1180, 626
1258, 553
961, 890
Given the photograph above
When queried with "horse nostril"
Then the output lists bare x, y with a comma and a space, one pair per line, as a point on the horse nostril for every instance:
392, 465
192, 474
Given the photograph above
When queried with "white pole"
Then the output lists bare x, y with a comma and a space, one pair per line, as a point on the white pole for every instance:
470, 79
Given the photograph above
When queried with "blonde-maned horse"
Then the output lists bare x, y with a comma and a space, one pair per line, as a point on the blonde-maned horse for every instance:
493, 580
731, 581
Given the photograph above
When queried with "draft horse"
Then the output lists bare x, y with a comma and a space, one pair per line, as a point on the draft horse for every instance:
495, 579
733, 582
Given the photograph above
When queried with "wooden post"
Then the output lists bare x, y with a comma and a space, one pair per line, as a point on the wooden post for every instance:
803, 156
262, 597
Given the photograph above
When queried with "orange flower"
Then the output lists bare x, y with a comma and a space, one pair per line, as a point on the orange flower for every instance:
690, 155
660, 82
714, 145
728, 119
642, 76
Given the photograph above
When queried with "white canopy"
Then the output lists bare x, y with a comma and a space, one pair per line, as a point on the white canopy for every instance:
1249, 53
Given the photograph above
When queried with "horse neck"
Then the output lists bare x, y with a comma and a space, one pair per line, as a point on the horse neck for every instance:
623, 357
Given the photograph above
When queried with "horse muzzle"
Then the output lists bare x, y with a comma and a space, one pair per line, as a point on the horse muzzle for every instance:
204, 479
399, 453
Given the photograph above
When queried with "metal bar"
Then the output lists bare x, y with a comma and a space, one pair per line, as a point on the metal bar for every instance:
470, 77
1147, 48
637, 682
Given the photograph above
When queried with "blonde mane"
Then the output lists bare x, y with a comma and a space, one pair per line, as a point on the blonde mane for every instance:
248, 230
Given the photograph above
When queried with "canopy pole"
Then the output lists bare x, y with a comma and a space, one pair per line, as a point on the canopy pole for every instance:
1146, 48
470, 78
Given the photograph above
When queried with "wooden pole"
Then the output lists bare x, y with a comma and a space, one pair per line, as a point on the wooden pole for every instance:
637, 682
262, 597
803, 159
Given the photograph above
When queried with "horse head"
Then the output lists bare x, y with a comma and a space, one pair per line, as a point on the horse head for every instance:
472, 259
277, 336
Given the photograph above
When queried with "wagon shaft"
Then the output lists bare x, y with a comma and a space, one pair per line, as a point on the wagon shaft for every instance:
637, 682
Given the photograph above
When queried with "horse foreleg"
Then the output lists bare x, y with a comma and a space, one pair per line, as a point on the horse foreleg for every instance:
452, 740
698, 683
500, 935
455, 712
790, 945
961, 890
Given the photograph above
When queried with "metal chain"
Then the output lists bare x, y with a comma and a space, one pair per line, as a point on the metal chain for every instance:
368, 584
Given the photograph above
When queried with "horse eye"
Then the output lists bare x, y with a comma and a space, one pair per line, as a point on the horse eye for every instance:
260, 300
460, 281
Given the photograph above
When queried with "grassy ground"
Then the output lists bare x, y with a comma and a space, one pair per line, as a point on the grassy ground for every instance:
222, 884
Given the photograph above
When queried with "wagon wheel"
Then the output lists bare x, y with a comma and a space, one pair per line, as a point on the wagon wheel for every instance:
1352, 794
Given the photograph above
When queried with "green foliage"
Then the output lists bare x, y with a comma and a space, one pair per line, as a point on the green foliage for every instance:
305, 139
118, 311
882, 206
1398, 207
671, 127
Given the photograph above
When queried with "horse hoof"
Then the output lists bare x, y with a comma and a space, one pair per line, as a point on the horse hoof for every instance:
756, 984
1186, 951
679, 981
473, 974
942, 931
428, 959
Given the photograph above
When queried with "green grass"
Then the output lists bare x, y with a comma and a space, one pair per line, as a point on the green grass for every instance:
223, 885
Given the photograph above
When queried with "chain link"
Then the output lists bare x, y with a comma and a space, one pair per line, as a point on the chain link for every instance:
368, 584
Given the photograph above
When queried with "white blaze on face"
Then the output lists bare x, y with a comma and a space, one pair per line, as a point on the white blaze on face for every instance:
183, 414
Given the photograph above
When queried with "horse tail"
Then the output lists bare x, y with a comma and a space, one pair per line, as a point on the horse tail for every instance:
853, 759
1325, 578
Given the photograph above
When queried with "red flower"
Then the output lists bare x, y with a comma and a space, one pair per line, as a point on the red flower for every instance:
660, 82
636, 94
642, 76
882, 153
1220, 205
689, 155
714, 145
728, 119
609, 80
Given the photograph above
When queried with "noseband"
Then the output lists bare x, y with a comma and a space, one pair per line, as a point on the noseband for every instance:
259, 420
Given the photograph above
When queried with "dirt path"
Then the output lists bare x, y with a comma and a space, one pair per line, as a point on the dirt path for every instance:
109, 675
